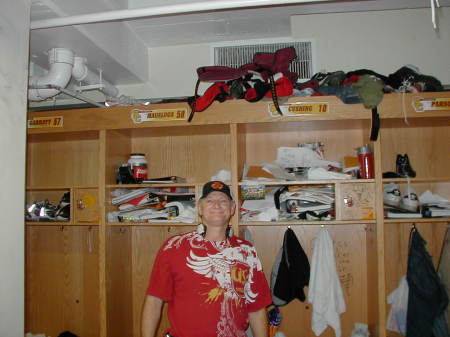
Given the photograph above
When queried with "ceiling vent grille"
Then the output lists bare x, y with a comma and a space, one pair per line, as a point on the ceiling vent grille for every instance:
237, 55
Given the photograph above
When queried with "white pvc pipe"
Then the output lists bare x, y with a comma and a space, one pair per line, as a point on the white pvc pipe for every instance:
79, 70
63, 65
160, 10
82, 73
61, 62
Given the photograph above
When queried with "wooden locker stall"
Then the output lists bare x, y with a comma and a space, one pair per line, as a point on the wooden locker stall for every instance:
89, 274
62, 272
426, 141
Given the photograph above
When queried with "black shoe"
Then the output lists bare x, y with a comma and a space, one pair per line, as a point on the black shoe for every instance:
404, 168
398, 164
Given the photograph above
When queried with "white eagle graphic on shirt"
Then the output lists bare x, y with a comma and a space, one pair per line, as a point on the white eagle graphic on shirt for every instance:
233, 270
218, 267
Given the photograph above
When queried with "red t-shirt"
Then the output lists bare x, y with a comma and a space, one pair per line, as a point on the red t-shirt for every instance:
210, 286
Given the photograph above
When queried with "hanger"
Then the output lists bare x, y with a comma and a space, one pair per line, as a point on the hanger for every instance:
411, 232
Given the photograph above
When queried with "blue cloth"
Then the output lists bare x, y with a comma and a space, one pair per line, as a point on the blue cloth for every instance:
345, 93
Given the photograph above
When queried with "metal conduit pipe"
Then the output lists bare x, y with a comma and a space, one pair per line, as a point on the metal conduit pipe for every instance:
70, 93
160, 10
82, 73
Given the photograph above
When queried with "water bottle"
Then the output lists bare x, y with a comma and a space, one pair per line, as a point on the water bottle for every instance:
366, 162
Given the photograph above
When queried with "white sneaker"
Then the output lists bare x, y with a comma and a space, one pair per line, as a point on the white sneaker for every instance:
410, 202
391, 195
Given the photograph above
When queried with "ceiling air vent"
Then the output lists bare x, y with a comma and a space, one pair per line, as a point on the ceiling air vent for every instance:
237, 55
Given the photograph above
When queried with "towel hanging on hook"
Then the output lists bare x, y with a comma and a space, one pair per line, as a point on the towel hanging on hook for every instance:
325, 290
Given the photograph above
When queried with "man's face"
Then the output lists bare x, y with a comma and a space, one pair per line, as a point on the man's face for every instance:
216, 209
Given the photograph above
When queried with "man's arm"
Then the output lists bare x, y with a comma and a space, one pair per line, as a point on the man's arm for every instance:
151, 313
258, 322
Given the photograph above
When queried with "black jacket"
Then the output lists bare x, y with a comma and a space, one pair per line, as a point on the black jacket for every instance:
427, 299
293, 273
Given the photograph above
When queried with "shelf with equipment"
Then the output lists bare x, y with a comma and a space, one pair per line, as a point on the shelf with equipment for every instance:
67, 205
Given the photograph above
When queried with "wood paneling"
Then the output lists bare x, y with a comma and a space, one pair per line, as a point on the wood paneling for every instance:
61, 161
118, 149
92, 280
195, 153
339, 138
146, 242
425, 141
62, 280
350, 253
119, 287
373, 282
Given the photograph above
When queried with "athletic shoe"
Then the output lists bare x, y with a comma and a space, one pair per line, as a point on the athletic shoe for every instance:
409, 201
41, 211
391, 195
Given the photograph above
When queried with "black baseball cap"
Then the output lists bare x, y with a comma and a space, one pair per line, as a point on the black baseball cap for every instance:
216, 186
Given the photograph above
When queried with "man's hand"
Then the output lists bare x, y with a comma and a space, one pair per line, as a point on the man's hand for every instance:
258, 322
151, 314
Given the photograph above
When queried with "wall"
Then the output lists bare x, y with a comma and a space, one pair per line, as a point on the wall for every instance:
172, 71
379, 40
14, 25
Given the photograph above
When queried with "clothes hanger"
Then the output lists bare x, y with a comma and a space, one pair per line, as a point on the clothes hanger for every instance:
411, 232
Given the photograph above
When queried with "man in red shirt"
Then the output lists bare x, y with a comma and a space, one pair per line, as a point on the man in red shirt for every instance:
213, 281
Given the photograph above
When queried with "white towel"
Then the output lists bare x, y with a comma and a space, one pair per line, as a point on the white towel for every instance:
325, 292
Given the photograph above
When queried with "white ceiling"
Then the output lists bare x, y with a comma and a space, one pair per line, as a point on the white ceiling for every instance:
120, 48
